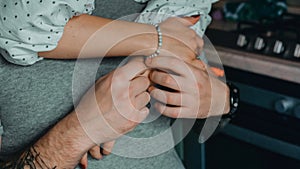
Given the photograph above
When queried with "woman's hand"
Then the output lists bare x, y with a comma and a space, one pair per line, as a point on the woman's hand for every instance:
179, 39
193, 94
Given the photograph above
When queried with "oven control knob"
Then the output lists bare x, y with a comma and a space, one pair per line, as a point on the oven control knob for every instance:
259, 43
278, 47
241, 41
297, 51
297, 111
283, 105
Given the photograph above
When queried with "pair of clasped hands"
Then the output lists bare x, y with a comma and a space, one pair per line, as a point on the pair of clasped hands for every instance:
122, 95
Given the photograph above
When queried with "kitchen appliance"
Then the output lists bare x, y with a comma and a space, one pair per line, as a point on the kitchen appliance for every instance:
266, 130
280, 39
263, 60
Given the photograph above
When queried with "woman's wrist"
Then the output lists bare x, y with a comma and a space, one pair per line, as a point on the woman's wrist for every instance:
159, 42
142, 42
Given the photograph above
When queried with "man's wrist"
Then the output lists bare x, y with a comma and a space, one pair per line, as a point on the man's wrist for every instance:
64, 145
233, 100
73, 133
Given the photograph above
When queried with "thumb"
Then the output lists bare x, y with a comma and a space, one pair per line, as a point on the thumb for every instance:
192, 19
84, 161
143, 114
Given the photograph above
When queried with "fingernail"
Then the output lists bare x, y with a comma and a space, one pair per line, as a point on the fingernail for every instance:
145, 111
83, 166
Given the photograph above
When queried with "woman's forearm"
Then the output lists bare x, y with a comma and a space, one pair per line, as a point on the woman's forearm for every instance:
61, 147
107, 38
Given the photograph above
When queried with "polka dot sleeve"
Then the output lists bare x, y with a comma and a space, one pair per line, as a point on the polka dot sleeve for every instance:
32, 26
157, 11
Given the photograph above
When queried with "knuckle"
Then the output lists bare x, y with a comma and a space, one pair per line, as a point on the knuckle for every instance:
170, 99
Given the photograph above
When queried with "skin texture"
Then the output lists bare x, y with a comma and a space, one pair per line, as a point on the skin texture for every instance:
194, 93
68, 134
178, 38
140, 39
179, 41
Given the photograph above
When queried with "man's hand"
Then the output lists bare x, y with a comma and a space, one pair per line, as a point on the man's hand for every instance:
116, 104
121, 98
96, 153
193, 94
122, 108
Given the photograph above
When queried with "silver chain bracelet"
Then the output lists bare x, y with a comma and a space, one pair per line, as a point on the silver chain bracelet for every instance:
159, 45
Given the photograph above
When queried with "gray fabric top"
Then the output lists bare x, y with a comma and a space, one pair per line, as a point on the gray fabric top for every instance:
34, 98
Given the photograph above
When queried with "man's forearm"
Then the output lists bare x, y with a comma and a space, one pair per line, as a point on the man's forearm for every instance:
61, 147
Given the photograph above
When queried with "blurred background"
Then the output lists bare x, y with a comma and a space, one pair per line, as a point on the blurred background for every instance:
259, 44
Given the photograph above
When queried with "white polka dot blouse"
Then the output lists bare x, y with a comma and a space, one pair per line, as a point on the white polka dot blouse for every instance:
31, 26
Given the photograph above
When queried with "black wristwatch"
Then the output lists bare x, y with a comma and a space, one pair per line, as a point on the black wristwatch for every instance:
234, 99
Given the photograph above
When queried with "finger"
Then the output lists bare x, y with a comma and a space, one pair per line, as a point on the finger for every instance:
170, 64
172, 112
198, 64
141, 115
142, 100
175, 112
139, 85
84, 161
133, 68
188, 21
166, 79
166, 97
107, 147
193, 19
95, 152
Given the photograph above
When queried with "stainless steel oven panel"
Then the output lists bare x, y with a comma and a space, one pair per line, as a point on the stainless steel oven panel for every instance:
276, 102
263, 141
